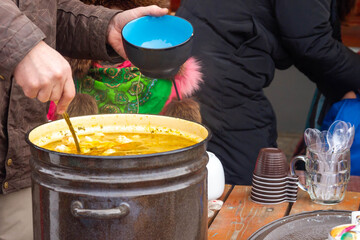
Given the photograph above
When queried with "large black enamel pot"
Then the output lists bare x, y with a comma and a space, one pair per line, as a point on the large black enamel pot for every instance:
142, 197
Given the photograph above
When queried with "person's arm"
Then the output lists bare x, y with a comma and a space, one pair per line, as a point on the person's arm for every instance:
84, 31
350, 95
114, 37
18, 35
40, 71
45, 74
306, 33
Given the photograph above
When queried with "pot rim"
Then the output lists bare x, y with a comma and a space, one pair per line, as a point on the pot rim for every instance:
204, 141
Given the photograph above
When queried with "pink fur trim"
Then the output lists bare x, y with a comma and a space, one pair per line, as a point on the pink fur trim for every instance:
189, 78
187, 81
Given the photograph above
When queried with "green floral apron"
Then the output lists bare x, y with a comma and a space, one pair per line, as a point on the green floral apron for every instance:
125, 90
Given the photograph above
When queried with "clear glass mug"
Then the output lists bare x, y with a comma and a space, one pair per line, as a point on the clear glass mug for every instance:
326, 175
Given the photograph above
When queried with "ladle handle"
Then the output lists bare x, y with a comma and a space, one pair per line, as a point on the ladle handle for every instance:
78, 210
71, 128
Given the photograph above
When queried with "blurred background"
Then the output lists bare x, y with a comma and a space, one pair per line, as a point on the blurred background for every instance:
291, 92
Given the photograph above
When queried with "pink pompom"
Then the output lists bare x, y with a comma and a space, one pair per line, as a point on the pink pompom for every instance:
189, 78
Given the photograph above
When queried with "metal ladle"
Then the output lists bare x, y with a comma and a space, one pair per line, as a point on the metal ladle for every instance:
71, 128
65, 115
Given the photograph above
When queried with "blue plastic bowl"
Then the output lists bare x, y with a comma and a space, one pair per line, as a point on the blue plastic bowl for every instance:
158, 46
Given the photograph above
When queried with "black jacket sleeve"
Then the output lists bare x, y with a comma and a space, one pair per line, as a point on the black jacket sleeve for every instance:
306, 33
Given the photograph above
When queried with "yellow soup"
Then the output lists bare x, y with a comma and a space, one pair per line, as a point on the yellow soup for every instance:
120, 144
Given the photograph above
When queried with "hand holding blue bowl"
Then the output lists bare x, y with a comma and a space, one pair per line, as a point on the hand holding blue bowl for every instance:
158, 46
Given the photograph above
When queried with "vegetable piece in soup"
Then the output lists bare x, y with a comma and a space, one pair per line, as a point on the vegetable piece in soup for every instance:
121, 144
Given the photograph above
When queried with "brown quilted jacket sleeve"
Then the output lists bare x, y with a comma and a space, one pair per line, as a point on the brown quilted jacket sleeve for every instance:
82, 30
18, 35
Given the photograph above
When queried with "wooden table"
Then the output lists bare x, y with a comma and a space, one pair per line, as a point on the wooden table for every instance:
240, 217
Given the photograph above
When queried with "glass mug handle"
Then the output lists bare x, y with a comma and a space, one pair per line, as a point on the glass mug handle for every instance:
292, 169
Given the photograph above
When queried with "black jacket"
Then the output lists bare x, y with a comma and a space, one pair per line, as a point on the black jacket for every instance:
240, 43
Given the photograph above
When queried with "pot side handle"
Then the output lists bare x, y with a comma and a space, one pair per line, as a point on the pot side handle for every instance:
77, 210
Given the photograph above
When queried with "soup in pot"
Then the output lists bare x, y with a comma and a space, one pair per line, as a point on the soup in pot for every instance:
121, 144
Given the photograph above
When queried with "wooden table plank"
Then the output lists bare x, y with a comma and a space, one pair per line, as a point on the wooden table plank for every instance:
227, 190
226, 193
303, 203
240, 217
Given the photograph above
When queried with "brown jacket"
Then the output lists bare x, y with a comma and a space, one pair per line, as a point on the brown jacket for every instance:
76, 30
